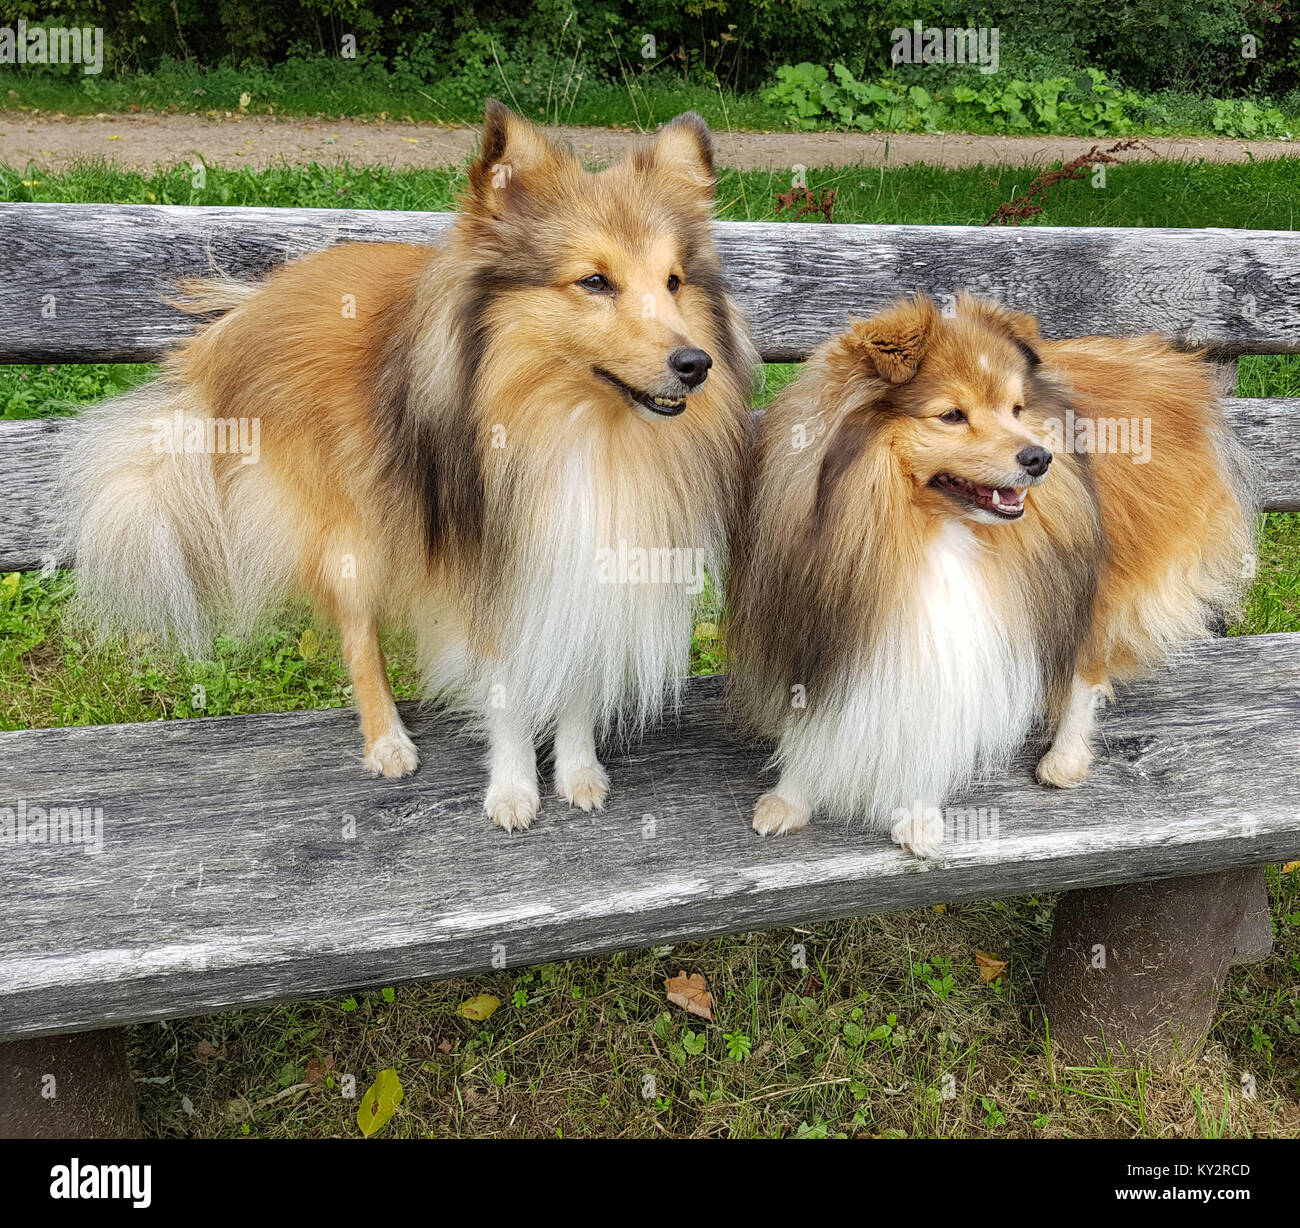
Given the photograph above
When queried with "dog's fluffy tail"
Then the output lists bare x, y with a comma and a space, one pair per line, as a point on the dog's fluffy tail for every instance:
172, 542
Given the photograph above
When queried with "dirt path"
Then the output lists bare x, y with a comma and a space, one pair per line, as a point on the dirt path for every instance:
142, 141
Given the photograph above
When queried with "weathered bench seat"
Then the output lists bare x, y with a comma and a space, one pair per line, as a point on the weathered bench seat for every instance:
226, 880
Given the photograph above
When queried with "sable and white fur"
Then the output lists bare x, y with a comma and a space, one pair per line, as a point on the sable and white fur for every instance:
456, 453
921, 580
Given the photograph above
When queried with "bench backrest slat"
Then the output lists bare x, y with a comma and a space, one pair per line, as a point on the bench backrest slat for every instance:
86, 283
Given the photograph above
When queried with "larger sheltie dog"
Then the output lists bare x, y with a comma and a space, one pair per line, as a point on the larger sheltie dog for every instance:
525, 442
951, 535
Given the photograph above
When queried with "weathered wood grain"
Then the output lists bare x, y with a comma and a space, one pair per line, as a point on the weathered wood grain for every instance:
227, 877
29, 472
106, 269
1269, 427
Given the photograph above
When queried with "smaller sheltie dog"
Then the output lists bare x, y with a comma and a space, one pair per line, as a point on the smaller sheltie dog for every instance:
527, 443
946, 541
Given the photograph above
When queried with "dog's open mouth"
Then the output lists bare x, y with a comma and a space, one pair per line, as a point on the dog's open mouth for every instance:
1008, 502
667, 406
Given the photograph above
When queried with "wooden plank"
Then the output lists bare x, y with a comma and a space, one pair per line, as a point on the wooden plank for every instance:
228, 875
29, 472
106, 269
1269, 427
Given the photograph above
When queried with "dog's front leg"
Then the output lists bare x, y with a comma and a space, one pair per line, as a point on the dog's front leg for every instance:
579, 777
389, 749
1066, 764
512, 799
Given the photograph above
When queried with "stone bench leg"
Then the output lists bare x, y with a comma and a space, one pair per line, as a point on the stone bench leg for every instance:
1135, 971
71, 1087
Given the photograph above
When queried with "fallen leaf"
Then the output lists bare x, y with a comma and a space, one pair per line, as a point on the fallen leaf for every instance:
690, 993
445, 1045
380, 1103
990, 966
318, 1069
308, 644
10, 583
1286, 869
939, 908
478, 1008
706, 631
205, 1051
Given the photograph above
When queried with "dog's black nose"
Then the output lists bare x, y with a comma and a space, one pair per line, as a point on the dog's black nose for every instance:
1034, 460
690, 366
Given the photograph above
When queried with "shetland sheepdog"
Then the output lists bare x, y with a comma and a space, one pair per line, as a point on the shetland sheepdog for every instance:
946, 542
468, 439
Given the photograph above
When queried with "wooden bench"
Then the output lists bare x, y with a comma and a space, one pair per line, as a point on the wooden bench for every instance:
248, 860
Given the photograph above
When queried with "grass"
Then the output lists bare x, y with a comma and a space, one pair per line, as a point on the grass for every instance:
1260, 195
338, 88
879, 1026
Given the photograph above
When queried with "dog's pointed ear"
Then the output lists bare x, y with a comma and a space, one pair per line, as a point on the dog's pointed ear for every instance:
683, 150
894, 341
1021, 327
510, 150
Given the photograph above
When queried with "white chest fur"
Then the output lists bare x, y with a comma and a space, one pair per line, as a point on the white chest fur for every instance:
946, 690
598, 616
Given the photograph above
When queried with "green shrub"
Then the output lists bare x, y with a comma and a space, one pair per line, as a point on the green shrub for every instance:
1192, 46
1087, 104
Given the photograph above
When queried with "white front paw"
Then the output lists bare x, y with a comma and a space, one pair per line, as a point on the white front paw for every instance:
512, 807
392, 754
775, 815
920, 834
586, 787
1064, 769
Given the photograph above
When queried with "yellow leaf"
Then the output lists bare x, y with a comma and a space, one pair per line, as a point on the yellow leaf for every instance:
939, 908
114, 138
10, 583
990, 966
706, 631
380, 1103
1286, 869
244, 100
478, 1008
308, 644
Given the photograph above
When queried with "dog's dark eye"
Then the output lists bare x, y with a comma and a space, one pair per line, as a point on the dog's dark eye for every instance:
954, 416
1017, 410
674, 283
597, 284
